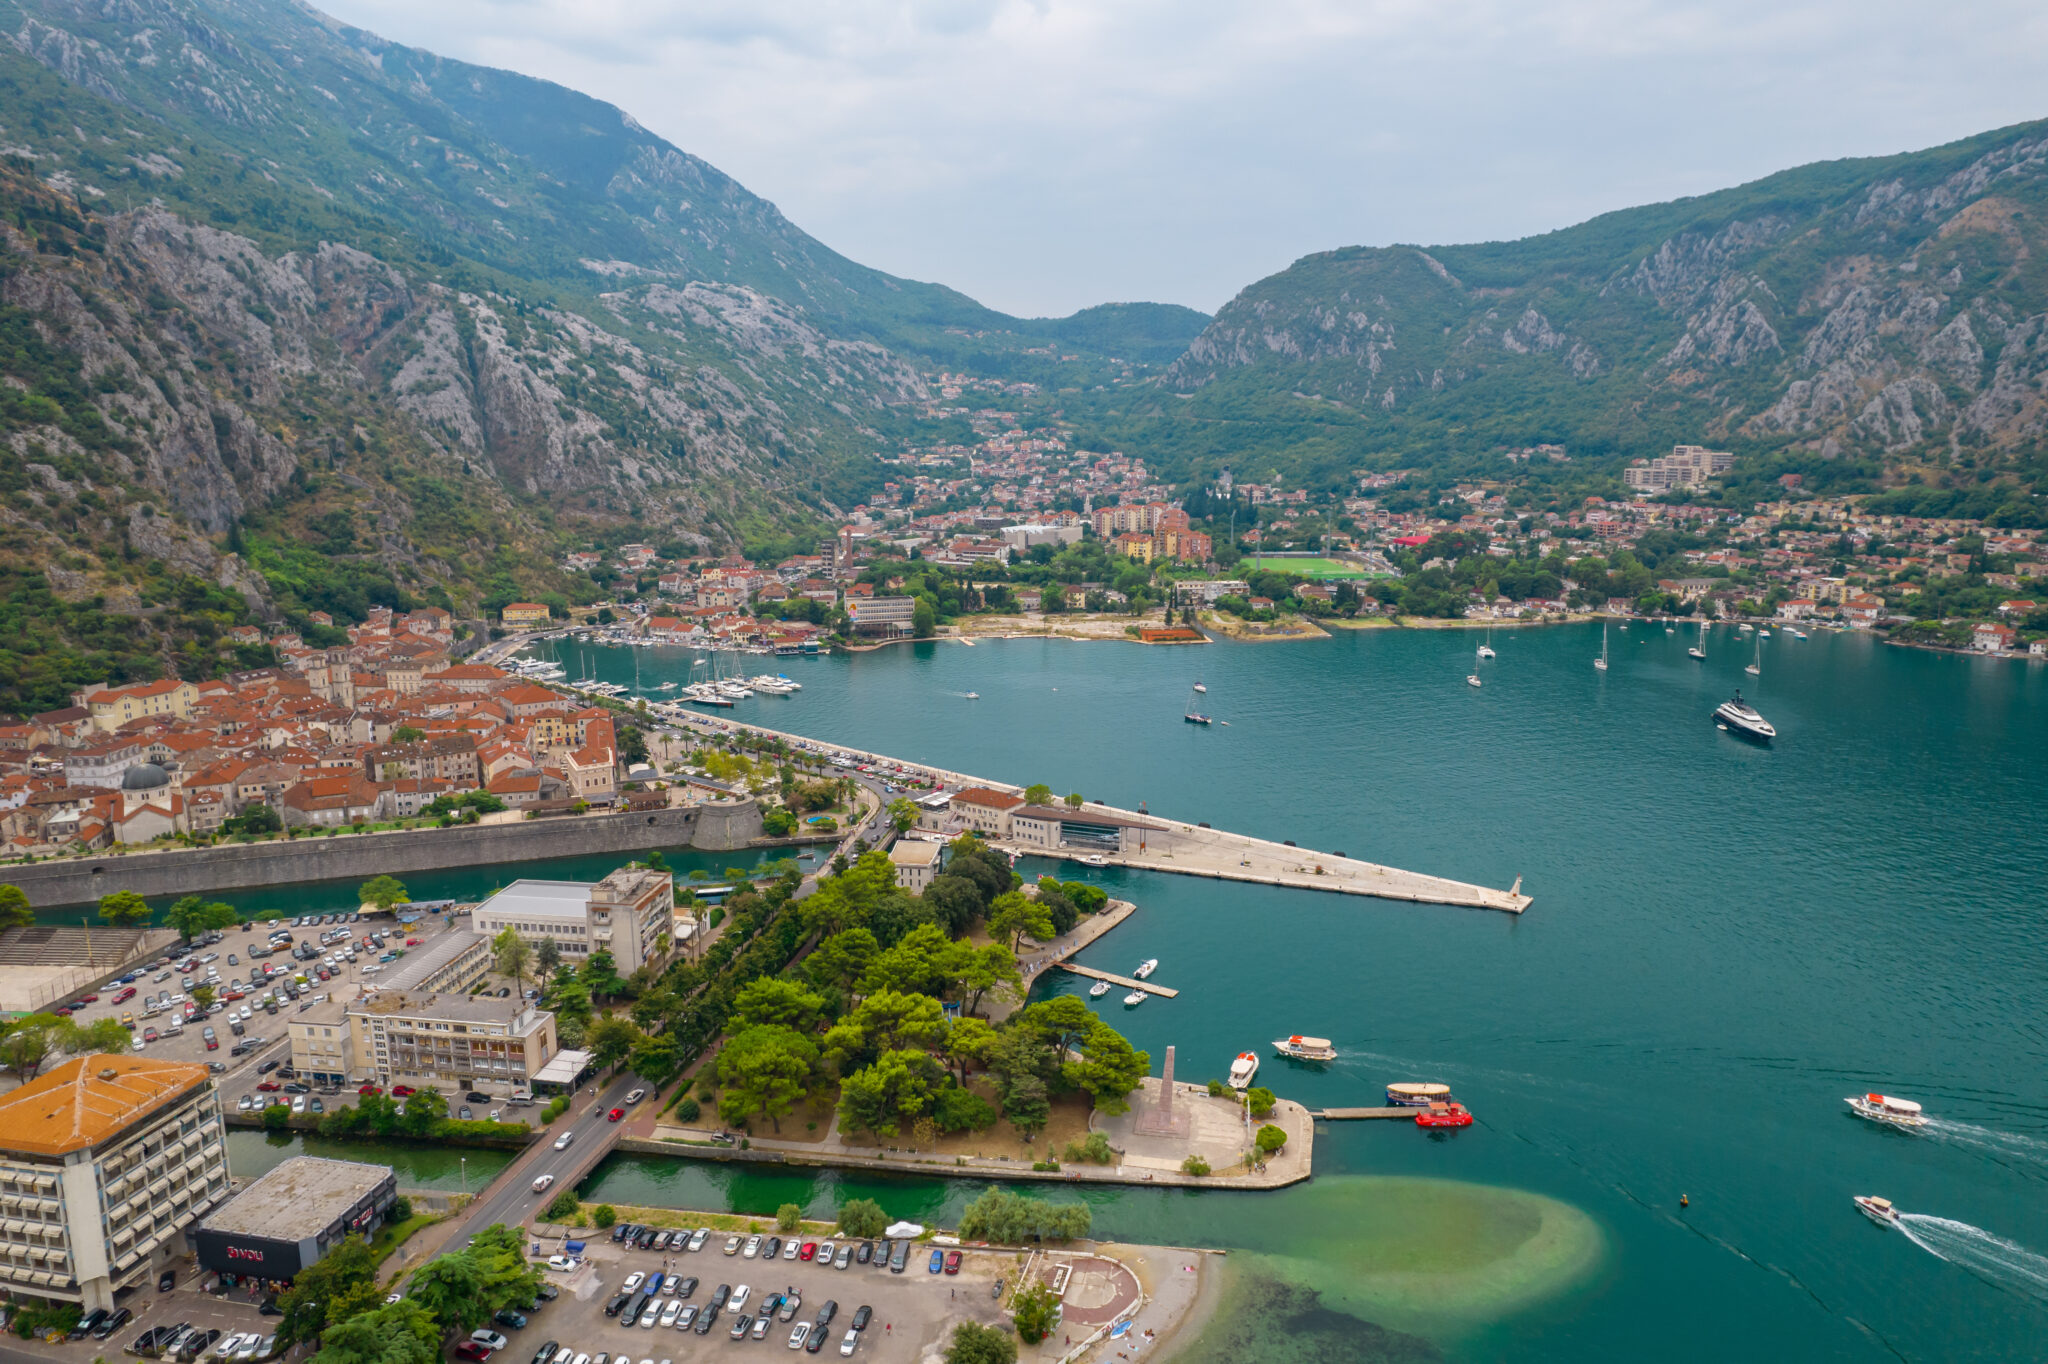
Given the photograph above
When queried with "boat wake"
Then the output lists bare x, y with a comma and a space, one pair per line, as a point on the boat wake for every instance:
2014, 1144
1999, 1262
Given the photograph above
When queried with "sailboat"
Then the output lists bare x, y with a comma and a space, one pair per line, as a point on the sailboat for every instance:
1199, 687
1193, 716
1486, 649
1756, 668
1699, 650
1601, 662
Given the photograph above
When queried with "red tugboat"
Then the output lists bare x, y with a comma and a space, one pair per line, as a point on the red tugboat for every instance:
1444, 1115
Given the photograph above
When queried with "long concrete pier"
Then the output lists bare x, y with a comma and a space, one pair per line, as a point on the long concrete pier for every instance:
1127, 982
1353, 1114
1188, 849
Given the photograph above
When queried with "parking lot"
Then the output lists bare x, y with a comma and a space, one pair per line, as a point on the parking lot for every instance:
230, 1314
242, 1060
907, 1311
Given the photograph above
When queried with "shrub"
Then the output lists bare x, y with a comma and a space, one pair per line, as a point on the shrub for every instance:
1261, 1100
1194, 1165
974, 1343
276, 1117
787, 1216
1050, 1167
688, 1109
1096, 1148
1033, 1313
563, 1207
603, 1215
862, 1217
1271, 1138
401, 1209
1215, 1089
962, 1110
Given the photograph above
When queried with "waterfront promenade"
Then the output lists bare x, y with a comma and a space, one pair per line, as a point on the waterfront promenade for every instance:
1190, 850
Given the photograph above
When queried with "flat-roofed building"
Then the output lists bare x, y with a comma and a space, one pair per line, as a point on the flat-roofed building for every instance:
105, 1162
453, 963
402, 1037
1053, 828
630, 914
290, 1218
917, 861
883, 617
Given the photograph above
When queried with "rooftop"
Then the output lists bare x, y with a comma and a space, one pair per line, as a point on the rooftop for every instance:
563, 1069
301, 1198
515, 1014
915, 852
420, 963
83, 1102
533, 899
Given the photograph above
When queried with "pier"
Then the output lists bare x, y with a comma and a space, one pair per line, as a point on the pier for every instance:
1355, 1114
1127, 982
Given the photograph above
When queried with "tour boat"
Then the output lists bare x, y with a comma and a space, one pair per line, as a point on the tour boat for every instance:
1134, 998
1145, 969
1878, 1210
1886, 1109
1740, 717
1098, 989
1444, 1115
1243, 1069
1472, 679
1299, 1048
1413, 1095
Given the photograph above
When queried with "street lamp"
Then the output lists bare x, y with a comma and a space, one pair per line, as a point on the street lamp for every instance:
462, 1168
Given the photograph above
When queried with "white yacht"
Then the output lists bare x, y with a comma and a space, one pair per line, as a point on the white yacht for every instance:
1098, 989
1145, 969
1134, 999
1887, 1109
1472, 679
1243, 1069
1878, 1210
1486, 649
1738, 716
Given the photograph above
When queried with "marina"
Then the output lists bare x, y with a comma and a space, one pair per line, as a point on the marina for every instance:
1126, 982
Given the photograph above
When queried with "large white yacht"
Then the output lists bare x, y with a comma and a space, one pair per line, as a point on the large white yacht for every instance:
1243, 1069
1886, 1108
1740, 717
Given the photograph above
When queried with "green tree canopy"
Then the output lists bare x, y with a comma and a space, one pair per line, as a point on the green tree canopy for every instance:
308, 1305
862, 1217
903, 813
842, 959
402, 1333
764, 1069
124, 909
385, 892
1014, 916
513, 956
771, 999
15, 910
1109, 1068
973, 1343
192, 916
898, 1087
1033, 1312
611, 1040
1038, 793
28, 1041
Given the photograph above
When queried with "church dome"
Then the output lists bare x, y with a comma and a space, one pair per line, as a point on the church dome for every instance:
145, 777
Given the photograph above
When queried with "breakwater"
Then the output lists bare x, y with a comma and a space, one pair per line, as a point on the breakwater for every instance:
720, 826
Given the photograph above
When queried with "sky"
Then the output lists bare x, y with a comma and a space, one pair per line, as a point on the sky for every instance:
1045, 155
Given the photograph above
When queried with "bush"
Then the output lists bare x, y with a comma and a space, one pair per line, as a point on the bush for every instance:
1096, 1148
1000, 1215
276, 1117
563, 1207
603, 1215
962, 1110
974, 1343
1194, 1165
1049, 1167
1215, 1089
787, 1216
1260, 1099
401, 1209
1271, 1138
862, 1217
1033, 1313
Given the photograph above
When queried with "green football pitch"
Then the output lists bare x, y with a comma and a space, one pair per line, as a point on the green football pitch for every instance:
1316, 568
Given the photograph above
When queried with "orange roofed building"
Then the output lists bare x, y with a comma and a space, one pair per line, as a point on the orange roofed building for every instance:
106, 1162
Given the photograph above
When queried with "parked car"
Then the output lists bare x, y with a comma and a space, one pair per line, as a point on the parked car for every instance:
488, 1338
753, 1248
938, 1262
799, 1335
510, 1320
953, 1262
844, 1258
563, 1263
473, 1352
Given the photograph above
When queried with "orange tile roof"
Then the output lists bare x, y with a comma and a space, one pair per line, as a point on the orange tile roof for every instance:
78, 1105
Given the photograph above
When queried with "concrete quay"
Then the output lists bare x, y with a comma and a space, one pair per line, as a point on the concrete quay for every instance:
1187, 849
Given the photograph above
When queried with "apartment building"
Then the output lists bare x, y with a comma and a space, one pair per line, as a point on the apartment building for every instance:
1687, 466
629, 914
882, 617
444, 1041
105, 1162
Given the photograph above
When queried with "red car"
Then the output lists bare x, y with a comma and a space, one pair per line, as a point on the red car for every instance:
269, 1086
412, 942
809, 1251
469, 1349
125, 995
401, 1091
953, 1263
616, 1114
88, 999
369, 1089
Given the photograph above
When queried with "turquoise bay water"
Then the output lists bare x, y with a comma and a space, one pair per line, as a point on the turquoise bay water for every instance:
1726, 940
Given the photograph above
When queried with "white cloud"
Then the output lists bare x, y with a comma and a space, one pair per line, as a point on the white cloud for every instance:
1047, 154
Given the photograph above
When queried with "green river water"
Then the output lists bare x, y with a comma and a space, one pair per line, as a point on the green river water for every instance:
1725, 941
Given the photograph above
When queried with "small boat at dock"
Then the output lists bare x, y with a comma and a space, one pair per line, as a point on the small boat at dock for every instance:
1098, 989
1243, 1069
1444, 1115
1134, 999
1885, 1108
1878, 1210
1145, 969
1414, 1095
1299, 1048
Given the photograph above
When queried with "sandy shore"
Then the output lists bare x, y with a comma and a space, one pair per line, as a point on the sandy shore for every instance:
1182, 1291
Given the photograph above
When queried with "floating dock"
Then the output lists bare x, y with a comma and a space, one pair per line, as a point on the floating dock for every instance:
1128, 982
1353, 1114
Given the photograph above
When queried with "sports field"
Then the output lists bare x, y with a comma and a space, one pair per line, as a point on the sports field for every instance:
1316, 568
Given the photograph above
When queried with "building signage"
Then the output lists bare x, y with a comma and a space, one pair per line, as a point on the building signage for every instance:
244, 1253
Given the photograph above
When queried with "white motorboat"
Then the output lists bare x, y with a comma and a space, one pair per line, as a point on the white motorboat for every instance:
1878, 1210
1887, 1109
1098, 989
1145, 969
1798, 634
1299, 1048
1472, 679
1763, 634
1740, 717
972, 695
1200, 687
1134, 998
1243, 1069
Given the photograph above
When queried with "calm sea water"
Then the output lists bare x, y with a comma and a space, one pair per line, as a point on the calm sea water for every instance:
1726, 940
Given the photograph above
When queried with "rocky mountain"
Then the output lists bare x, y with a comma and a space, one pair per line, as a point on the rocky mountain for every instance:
1887, 317
315, 320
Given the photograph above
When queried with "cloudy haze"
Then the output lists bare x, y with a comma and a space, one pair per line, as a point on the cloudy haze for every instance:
1043, 155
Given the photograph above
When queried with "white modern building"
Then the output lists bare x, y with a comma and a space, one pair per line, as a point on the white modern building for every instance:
105, 1163
630, 914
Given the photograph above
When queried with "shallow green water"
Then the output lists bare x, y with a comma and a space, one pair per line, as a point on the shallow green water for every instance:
1726, 940
418, 1165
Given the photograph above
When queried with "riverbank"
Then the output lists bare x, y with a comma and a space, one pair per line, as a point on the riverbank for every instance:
1253, 632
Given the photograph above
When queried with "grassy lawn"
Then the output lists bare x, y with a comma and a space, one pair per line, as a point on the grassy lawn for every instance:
1317, 568
392, 1235
681, 1217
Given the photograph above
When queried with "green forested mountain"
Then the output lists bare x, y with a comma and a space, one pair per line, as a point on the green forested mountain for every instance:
1861, 321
